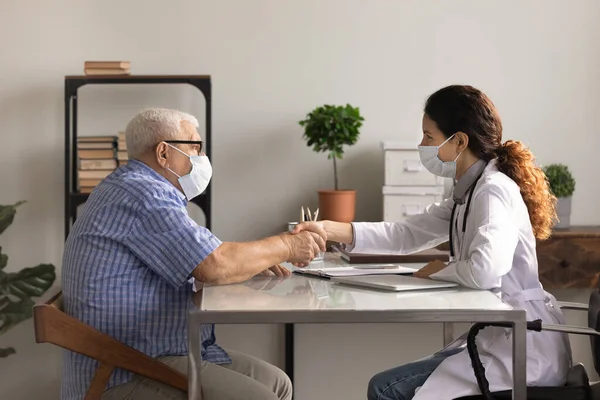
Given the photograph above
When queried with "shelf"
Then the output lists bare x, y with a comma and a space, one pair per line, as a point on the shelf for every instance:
137, 77
74, 82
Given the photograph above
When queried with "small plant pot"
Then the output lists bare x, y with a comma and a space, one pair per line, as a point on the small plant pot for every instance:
337, 205
563, 211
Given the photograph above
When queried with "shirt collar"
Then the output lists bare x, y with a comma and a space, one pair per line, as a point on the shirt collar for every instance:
467, 180
137, 164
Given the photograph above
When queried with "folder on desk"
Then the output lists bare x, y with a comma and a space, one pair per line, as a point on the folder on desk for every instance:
424, 256
353, 271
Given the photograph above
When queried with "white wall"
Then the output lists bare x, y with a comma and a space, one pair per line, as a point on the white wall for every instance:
271, 63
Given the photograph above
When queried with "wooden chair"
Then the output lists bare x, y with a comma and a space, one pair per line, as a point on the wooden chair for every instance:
53, 325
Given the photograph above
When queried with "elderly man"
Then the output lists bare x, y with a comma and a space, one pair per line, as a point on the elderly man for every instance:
132, 256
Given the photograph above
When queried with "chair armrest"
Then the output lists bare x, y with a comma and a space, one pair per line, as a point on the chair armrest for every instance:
567, 305
579, 330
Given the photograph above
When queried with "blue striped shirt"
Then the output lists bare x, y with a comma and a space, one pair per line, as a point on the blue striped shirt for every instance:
127, 271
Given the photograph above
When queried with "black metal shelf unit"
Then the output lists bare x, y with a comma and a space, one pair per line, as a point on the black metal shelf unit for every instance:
72, 83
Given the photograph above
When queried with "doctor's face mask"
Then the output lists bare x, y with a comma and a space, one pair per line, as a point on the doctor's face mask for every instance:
429, 151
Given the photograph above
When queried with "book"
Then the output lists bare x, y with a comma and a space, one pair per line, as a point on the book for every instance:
109, 163
96, 154
94, 174
424, 256
386, 269
107, 64
95, 145
89, 182
122, 155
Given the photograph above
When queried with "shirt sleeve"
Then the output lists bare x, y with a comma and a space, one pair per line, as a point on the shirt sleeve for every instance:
417, 232
168, 241
492, 249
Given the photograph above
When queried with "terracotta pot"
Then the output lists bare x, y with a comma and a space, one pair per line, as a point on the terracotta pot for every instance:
337, 205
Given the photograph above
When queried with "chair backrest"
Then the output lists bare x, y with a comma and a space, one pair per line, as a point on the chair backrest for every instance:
53, 325
594, 323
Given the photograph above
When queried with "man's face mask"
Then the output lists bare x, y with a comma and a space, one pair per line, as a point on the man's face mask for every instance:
196, 182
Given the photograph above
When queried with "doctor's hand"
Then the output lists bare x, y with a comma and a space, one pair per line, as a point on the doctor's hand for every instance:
317, 227
430, 269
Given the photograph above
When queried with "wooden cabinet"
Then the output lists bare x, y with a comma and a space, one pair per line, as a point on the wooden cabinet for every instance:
570, 258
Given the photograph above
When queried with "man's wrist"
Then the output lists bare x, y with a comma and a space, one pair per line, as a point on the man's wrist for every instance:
287, 251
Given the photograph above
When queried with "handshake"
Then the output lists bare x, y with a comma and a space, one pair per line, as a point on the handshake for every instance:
305, 242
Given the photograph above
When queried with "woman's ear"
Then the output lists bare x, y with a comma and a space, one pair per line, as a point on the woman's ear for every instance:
462, 141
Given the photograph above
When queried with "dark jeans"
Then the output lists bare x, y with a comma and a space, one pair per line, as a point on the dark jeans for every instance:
400, 383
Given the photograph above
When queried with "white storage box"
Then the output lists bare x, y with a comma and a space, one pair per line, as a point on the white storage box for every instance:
403, 166
400, 202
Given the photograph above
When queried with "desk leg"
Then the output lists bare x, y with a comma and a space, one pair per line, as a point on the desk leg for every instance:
448, 333
194, 361
519, 360
289, 351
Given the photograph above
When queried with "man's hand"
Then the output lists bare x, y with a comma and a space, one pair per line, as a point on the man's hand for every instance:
317, 227
303, 246
430, 269
276, 270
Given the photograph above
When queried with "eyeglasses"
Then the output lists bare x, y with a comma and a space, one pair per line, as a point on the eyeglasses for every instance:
196, 142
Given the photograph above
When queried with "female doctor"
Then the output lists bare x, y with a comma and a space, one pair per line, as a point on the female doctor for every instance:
500, 205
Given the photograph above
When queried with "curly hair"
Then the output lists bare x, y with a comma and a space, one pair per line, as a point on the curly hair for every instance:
462, 108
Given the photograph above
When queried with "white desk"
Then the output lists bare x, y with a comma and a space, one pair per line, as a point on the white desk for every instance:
305, 300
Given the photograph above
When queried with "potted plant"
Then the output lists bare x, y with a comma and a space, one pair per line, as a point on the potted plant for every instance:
18, 288
329, 128
562, 185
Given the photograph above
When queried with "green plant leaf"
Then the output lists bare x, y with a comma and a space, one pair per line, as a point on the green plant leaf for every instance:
17, 288
3, 260
14, 313
7, 215
29, 282
562, 183
7, 351
328, 128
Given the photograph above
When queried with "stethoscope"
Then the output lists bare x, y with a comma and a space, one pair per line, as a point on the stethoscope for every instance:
464, 224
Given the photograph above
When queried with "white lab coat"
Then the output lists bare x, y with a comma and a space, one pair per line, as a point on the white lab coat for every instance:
497, 252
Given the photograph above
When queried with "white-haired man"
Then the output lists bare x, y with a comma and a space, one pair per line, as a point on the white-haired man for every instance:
131, 256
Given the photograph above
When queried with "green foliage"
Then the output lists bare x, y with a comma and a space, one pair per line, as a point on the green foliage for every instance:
562, 183
18, 288
329, 128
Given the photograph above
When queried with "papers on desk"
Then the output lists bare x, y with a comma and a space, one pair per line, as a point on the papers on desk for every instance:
356, 271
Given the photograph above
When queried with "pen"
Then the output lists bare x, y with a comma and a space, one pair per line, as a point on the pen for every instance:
302, 215
316, 214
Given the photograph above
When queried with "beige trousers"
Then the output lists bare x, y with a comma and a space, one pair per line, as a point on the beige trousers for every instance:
246, 378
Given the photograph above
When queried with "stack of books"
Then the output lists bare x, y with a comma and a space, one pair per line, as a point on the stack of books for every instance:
97, 159
122, 149
107, 68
